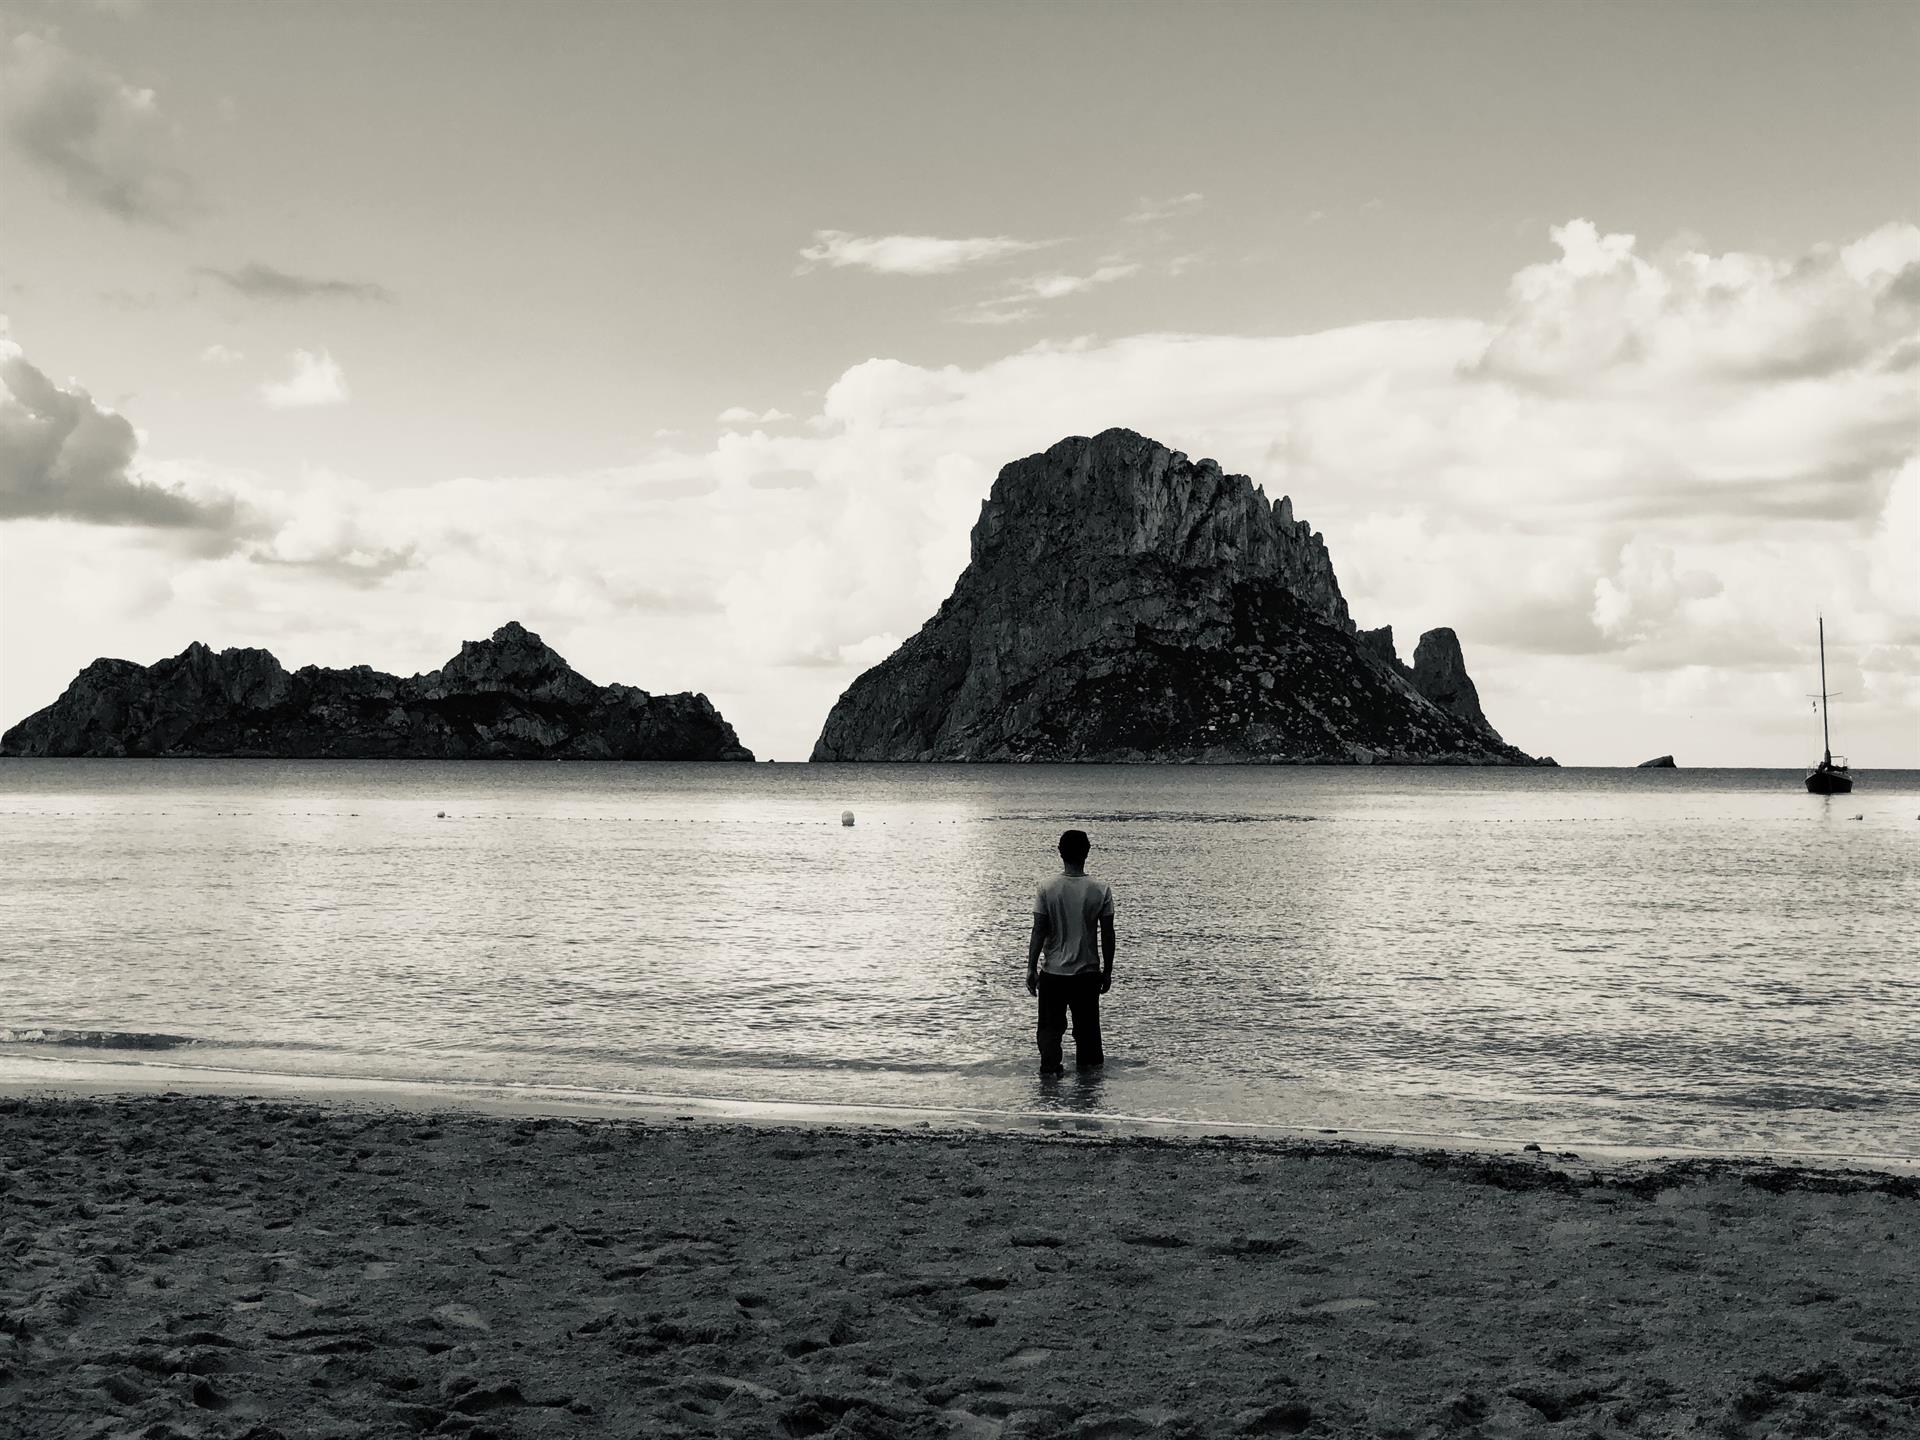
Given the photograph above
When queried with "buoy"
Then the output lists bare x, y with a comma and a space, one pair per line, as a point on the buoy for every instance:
439, 814
846, 817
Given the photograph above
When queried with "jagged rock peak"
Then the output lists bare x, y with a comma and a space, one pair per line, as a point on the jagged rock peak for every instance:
1440, 674
1380, 642
1123, 603
507, 697
1119, 495
513, 658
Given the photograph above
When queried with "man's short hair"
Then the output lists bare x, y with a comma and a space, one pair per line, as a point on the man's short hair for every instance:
1074, 846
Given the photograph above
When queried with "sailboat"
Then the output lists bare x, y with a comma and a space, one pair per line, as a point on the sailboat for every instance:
1830, 776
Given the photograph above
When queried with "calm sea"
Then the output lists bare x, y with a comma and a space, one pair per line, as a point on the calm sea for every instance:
1705, 957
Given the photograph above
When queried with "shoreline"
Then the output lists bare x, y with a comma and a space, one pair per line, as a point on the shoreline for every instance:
45, 1077
213, 1268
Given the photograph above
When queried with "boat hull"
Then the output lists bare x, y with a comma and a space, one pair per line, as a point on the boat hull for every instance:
1829, 782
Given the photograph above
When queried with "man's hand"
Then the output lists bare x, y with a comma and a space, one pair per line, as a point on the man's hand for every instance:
1033, 982
1106, 981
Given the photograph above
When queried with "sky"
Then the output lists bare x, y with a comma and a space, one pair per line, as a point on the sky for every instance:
692, 337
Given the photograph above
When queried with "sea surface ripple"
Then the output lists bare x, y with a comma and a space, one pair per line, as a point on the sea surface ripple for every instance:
1697, 957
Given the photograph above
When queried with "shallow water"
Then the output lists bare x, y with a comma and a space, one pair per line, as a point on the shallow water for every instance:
1681, 957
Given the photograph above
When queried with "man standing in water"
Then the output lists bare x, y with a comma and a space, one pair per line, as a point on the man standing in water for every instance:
1066, 913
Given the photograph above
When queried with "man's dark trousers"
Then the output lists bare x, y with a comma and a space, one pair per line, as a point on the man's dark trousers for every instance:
1080, 994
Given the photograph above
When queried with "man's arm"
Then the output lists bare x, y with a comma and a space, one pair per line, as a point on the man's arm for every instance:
1036, 942
1107, 943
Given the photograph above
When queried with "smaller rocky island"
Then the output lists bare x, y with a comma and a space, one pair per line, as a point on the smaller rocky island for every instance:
1659, 762
510, 697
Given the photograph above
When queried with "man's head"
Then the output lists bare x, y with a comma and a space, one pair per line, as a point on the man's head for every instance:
1074, 846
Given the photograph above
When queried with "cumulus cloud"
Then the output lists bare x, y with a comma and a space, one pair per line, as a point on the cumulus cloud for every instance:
315, 379
62, 456
1641, 498
104, 139
1601, 313
741, 415
910, 254
1631, 535
331, 526
264, 282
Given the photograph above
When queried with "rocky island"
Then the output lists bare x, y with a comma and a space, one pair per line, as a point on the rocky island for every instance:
505, 698
1123, 603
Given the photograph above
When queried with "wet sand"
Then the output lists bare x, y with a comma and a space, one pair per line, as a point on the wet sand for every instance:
219, 1267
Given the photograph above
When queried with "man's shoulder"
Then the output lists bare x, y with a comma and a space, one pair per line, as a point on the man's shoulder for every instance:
1080, 884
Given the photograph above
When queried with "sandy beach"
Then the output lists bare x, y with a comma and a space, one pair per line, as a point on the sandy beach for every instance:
221, 1267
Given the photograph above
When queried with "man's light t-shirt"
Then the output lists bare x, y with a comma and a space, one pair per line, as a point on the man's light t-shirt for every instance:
1074, 906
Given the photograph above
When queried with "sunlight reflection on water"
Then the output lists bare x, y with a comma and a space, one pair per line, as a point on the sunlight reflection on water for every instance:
1694, 956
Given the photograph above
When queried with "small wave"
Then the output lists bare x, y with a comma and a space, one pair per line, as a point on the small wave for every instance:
1777, 1097
1170, 817
756, 1060
94, 1039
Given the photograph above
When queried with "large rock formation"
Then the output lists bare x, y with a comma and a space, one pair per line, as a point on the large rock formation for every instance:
509, 697
1124, 603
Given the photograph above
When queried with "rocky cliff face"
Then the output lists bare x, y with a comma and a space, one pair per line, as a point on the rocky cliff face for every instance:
509, 697
1439, 671
1125, 603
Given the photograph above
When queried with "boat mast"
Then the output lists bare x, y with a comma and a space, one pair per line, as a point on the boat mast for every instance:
1826, 740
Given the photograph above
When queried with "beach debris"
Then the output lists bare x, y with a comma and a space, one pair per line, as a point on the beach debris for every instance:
439, 814
846, 817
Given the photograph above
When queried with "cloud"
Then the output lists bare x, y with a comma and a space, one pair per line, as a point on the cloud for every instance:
1055, 287
1019, 301
64, 457
910, 254
740, 415
218, 354
330, 527
1603, 314
1647, 590
1148, 212
1631, 510
264, 282
316, 379
1631, 538
995, 312
104, 139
